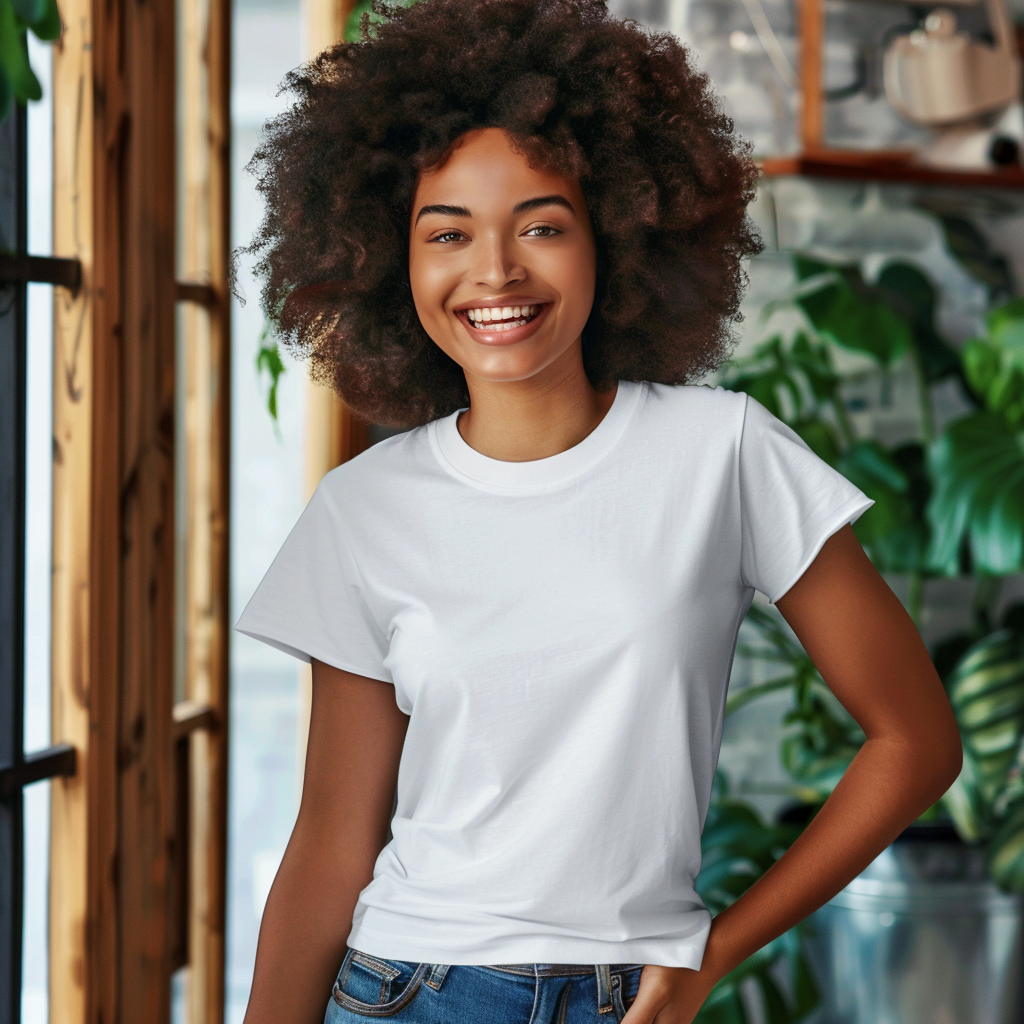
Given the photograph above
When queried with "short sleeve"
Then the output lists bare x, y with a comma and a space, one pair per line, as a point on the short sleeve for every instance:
791, 502
310, 604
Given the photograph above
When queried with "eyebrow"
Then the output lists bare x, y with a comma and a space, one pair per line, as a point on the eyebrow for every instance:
526, 204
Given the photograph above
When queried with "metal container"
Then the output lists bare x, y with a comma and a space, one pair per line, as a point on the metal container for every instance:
920, 937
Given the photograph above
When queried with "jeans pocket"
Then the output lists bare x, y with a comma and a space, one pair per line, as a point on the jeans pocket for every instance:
375, 987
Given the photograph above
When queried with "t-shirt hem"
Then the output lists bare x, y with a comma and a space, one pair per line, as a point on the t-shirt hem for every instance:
688, 952
848, 514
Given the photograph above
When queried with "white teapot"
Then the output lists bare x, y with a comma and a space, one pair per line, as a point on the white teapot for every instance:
939, 75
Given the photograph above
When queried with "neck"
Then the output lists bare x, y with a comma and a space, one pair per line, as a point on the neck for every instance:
548, 413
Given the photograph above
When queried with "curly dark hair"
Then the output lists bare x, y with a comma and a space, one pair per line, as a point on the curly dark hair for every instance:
580, 92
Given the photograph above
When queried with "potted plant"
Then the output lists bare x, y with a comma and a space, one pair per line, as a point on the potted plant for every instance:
935, 921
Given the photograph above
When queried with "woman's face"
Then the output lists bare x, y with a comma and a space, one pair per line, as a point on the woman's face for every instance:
502, 260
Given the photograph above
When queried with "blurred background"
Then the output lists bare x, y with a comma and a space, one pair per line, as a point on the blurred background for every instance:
158, 448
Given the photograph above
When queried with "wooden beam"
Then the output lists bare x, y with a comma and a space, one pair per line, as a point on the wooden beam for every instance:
83, 946
812, 45
143, 181
205, 132
112, 837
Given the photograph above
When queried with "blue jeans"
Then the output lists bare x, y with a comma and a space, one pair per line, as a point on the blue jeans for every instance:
369, 986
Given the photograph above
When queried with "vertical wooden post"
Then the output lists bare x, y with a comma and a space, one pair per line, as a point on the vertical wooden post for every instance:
145, 175
333, 434
812, 43
204, 217
112, 837
83, 941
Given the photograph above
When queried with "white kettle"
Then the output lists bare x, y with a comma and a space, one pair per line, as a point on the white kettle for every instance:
939, 75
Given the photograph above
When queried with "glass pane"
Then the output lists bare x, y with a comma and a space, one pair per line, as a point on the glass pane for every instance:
39, 425
38, 491
266, 499
35, 974
178, 982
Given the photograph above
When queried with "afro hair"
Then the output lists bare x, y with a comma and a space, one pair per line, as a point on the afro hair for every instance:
617, 107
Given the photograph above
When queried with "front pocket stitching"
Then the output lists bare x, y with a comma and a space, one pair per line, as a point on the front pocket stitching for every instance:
389, 971
343, 999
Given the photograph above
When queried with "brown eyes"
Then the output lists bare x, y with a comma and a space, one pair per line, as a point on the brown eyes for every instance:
539, 227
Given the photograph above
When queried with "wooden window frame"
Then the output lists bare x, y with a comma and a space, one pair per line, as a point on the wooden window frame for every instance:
138, 836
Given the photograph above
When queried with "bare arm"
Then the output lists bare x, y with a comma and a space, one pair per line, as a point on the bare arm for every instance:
356, 732
870, 654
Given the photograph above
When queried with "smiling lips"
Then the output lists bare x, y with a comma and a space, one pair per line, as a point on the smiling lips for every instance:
503, 324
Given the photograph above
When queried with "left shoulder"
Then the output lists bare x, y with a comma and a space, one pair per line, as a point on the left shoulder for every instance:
710, 405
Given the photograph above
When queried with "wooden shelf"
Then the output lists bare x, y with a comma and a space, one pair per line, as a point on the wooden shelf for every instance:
890, 167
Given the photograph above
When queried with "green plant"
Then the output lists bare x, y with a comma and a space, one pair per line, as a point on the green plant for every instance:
949, 503
978, 463
268, 360
887, 320
17, 80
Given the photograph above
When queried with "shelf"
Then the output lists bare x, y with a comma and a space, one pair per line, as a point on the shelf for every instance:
894, 167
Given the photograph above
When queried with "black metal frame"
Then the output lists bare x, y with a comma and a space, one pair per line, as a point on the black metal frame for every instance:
17, 268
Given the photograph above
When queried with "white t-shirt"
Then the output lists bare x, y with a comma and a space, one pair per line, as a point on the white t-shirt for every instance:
560, 633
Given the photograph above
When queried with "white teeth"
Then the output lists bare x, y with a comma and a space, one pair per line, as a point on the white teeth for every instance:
502, 318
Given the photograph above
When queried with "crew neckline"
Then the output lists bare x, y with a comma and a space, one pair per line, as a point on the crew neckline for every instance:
459, 458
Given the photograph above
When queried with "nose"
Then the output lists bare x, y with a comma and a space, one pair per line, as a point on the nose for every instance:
497, 265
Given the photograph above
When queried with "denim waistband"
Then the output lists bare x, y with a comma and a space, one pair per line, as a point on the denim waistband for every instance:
557, 970
602, 971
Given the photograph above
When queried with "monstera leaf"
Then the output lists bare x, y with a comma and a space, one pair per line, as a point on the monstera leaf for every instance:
977, 508
737, 848
848, 312
909, 293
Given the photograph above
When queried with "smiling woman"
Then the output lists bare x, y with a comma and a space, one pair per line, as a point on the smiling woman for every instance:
528, 247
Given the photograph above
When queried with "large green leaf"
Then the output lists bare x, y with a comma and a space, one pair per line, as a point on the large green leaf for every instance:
912, 296
47, 25
994, 365
977, 464
986, 691
848, 313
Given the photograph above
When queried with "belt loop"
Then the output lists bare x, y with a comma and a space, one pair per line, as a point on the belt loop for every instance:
604, 988
436, 977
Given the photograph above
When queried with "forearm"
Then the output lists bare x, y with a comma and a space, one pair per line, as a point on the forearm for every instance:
886, 787
306, 922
